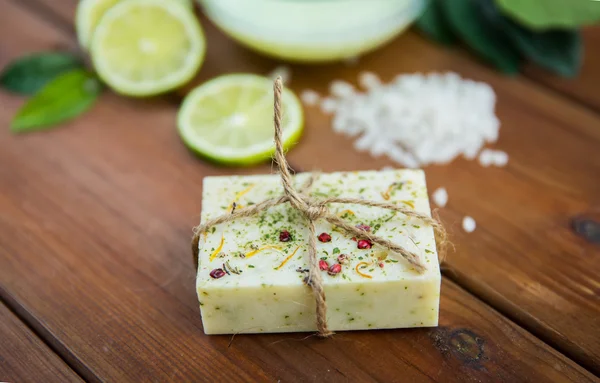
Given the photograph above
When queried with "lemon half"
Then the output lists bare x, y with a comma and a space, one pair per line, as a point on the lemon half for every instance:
147, 47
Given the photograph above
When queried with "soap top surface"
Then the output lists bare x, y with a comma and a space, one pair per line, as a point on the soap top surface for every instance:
251, 251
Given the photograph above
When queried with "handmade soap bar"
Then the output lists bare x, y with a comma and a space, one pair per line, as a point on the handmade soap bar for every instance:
251, 271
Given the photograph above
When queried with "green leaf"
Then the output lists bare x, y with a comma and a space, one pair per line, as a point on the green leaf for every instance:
433, 24
64, 98
28, 74
546, 14
560, 51
465, 20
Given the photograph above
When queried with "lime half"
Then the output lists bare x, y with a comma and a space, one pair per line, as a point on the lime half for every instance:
230, 119
147, 47
88, 15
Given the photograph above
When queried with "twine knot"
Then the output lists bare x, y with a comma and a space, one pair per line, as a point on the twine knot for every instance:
314, 209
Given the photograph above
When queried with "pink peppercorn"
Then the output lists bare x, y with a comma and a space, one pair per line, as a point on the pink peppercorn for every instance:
324, 237
285, 236
363, 227
334, 269
217, 273
343, 258
364, 244
323, 265
381, 264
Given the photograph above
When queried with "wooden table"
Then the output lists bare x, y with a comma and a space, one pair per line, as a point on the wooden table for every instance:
96, 279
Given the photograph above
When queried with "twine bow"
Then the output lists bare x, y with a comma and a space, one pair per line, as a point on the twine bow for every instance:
314, 209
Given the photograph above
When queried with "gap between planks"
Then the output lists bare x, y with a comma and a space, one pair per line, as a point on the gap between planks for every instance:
49, 339
505, 308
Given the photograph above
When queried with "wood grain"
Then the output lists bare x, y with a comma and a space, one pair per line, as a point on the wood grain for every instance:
96, 216
25, 358
524, 258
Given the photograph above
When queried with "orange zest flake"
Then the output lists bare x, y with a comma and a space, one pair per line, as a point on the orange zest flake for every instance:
254, 252
358, 271
386, 194
216, 252
341, 213
287, 259
239, 195
409, 203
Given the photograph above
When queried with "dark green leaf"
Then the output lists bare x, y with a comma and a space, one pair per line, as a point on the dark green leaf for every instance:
560, 51
547, 14
465, 20
28, 74
65, 97
433, 24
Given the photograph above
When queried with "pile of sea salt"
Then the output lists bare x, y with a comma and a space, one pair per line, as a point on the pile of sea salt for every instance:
416, 119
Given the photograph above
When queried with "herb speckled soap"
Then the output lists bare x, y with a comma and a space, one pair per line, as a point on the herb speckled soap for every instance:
262, 289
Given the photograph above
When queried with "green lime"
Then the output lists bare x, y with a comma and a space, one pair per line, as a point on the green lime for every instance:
229, 119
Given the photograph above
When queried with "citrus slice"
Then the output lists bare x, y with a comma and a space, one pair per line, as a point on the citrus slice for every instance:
89, 13
229, 119
146, 47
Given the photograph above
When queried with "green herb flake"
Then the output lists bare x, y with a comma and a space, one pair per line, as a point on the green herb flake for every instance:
251, 266
336, 250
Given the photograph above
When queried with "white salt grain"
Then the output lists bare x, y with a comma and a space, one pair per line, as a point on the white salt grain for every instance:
417, 119
489, 157
500, 158
469, 224
486, 158
341, 89
328, 105
369, 80
309, 97
283, 71
440, 197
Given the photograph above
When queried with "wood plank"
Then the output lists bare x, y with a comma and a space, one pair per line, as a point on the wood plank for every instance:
583, 88
128, 321
523, 259
91, 235
25, 358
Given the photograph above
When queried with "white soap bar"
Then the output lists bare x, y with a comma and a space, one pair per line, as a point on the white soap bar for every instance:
262, 289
